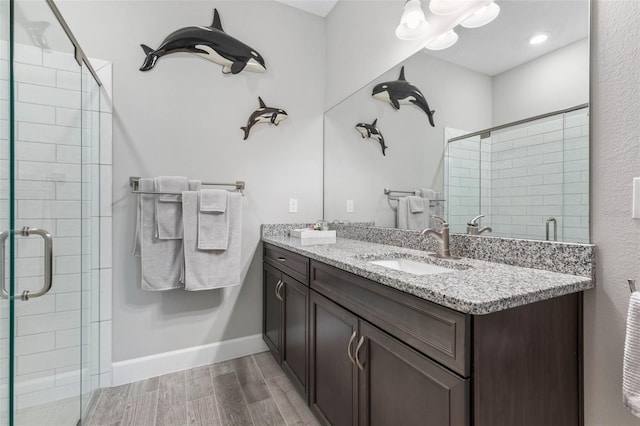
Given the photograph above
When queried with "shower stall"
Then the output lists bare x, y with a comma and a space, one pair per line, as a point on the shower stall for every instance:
529, 179
50, 218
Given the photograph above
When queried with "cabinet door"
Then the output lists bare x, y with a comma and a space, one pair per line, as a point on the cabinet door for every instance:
399, 386
272, 311
333, 396
295, 354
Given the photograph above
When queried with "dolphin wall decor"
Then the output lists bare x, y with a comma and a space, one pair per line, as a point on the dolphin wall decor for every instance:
371, 131
401, 91
210, 43
264, 114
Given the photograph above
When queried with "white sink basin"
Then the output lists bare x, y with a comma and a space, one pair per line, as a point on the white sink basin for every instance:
411, 266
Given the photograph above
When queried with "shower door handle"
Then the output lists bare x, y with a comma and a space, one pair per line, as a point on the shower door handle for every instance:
3, 291
48, 261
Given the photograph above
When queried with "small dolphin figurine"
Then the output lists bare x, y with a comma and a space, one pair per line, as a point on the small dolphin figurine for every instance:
402, 92
264, 114
210, 43
371, 131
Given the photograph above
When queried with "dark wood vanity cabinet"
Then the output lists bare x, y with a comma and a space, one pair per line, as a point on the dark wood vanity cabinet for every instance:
285, 313
360, 375
379, 356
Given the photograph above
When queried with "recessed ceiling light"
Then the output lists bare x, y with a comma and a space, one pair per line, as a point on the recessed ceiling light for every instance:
539, 38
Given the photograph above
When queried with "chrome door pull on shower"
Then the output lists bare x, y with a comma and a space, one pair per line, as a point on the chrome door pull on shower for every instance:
48, 261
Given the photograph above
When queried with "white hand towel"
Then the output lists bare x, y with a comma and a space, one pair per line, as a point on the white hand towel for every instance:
209, 269
213, 200
168, 209
161, 260
428, 193
403, 213
631, 365
416, 204
213, 221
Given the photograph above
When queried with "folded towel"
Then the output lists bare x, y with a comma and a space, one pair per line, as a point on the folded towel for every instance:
168, 210
161, 260
402, 213
213, 222
416, 204
213, 200
209, 269
631, 365
428, 193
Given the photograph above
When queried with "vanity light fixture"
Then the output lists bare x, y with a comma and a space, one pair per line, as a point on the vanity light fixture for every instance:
443, 41
413, 24
482, 17
439, 33
539, 38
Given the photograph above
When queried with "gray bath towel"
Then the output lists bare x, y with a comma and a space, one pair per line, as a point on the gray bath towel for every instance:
161, 260
408, 220
213, 220
168, 208
416, 204
209, 269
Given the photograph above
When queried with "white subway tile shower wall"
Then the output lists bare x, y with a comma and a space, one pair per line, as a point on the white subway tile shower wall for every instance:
528, 174
59, 171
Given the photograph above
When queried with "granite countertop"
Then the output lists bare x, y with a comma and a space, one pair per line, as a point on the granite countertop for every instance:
473, 287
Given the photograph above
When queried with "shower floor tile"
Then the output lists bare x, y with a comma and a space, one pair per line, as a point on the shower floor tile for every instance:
251, 390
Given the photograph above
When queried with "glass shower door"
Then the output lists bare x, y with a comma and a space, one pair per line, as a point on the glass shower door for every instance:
46, 222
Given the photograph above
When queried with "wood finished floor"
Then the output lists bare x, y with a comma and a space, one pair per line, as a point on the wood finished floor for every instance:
252, 390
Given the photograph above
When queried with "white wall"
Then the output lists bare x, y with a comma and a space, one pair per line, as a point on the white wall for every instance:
615, 153
557, 80
184, 118
355, 168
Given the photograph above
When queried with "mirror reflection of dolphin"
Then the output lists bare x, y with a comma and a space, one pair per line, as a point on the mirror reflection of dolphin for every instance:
210, 43
371, 131
402, 92
264, 114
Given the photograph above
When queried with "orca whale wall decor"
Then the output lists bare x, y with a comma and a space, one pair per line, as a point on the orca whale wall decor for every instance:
401, 91
210, 43
264, 114
372, 131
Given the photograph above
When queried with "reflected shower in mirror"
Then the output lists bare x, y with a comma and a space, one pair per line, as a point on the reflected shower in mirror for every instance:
488, 79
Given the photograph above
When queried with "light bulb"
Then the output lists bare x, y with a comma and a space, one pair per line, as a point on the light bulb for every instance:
482, 16
413, 24
446, 7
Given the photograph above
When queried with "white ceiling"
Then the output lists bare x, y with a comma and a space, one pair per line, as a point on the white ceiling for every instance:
317, 7
504, 43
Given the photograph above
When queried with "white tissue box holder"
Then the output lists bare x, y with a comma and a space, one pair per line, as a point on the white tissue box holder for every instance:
310, 238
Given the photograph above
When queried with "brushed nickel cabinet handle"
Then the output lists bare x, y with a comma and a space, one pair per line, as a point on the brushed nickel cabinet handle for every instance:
282, 259
353, 337
278, 286
358, 363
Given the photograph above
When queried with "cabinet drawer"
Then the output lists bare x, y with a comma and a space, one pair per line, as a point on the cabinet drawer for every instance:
441, 333
293, 264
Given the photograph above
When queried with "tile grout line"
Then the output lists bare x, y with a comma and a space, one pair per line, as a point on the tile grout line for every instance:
269, 389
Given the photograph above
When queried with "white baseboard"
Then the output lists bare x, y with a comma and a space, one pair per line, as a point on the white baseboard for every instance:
146, 367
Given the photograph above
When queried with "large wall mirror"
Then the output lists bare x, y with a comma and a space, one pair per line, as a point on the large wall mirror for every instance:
510, 141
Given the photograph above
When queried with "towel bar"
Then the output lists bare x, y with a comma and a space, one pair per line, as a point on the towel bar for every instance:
134, 183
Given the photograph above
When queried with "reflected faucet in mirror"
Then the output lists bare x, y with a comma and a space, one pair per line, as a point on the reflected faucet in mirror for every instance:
473, 228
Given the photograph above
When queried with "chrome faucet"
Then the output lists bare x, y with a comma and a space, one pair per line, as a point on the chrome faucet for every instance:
473, 228
442, 237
